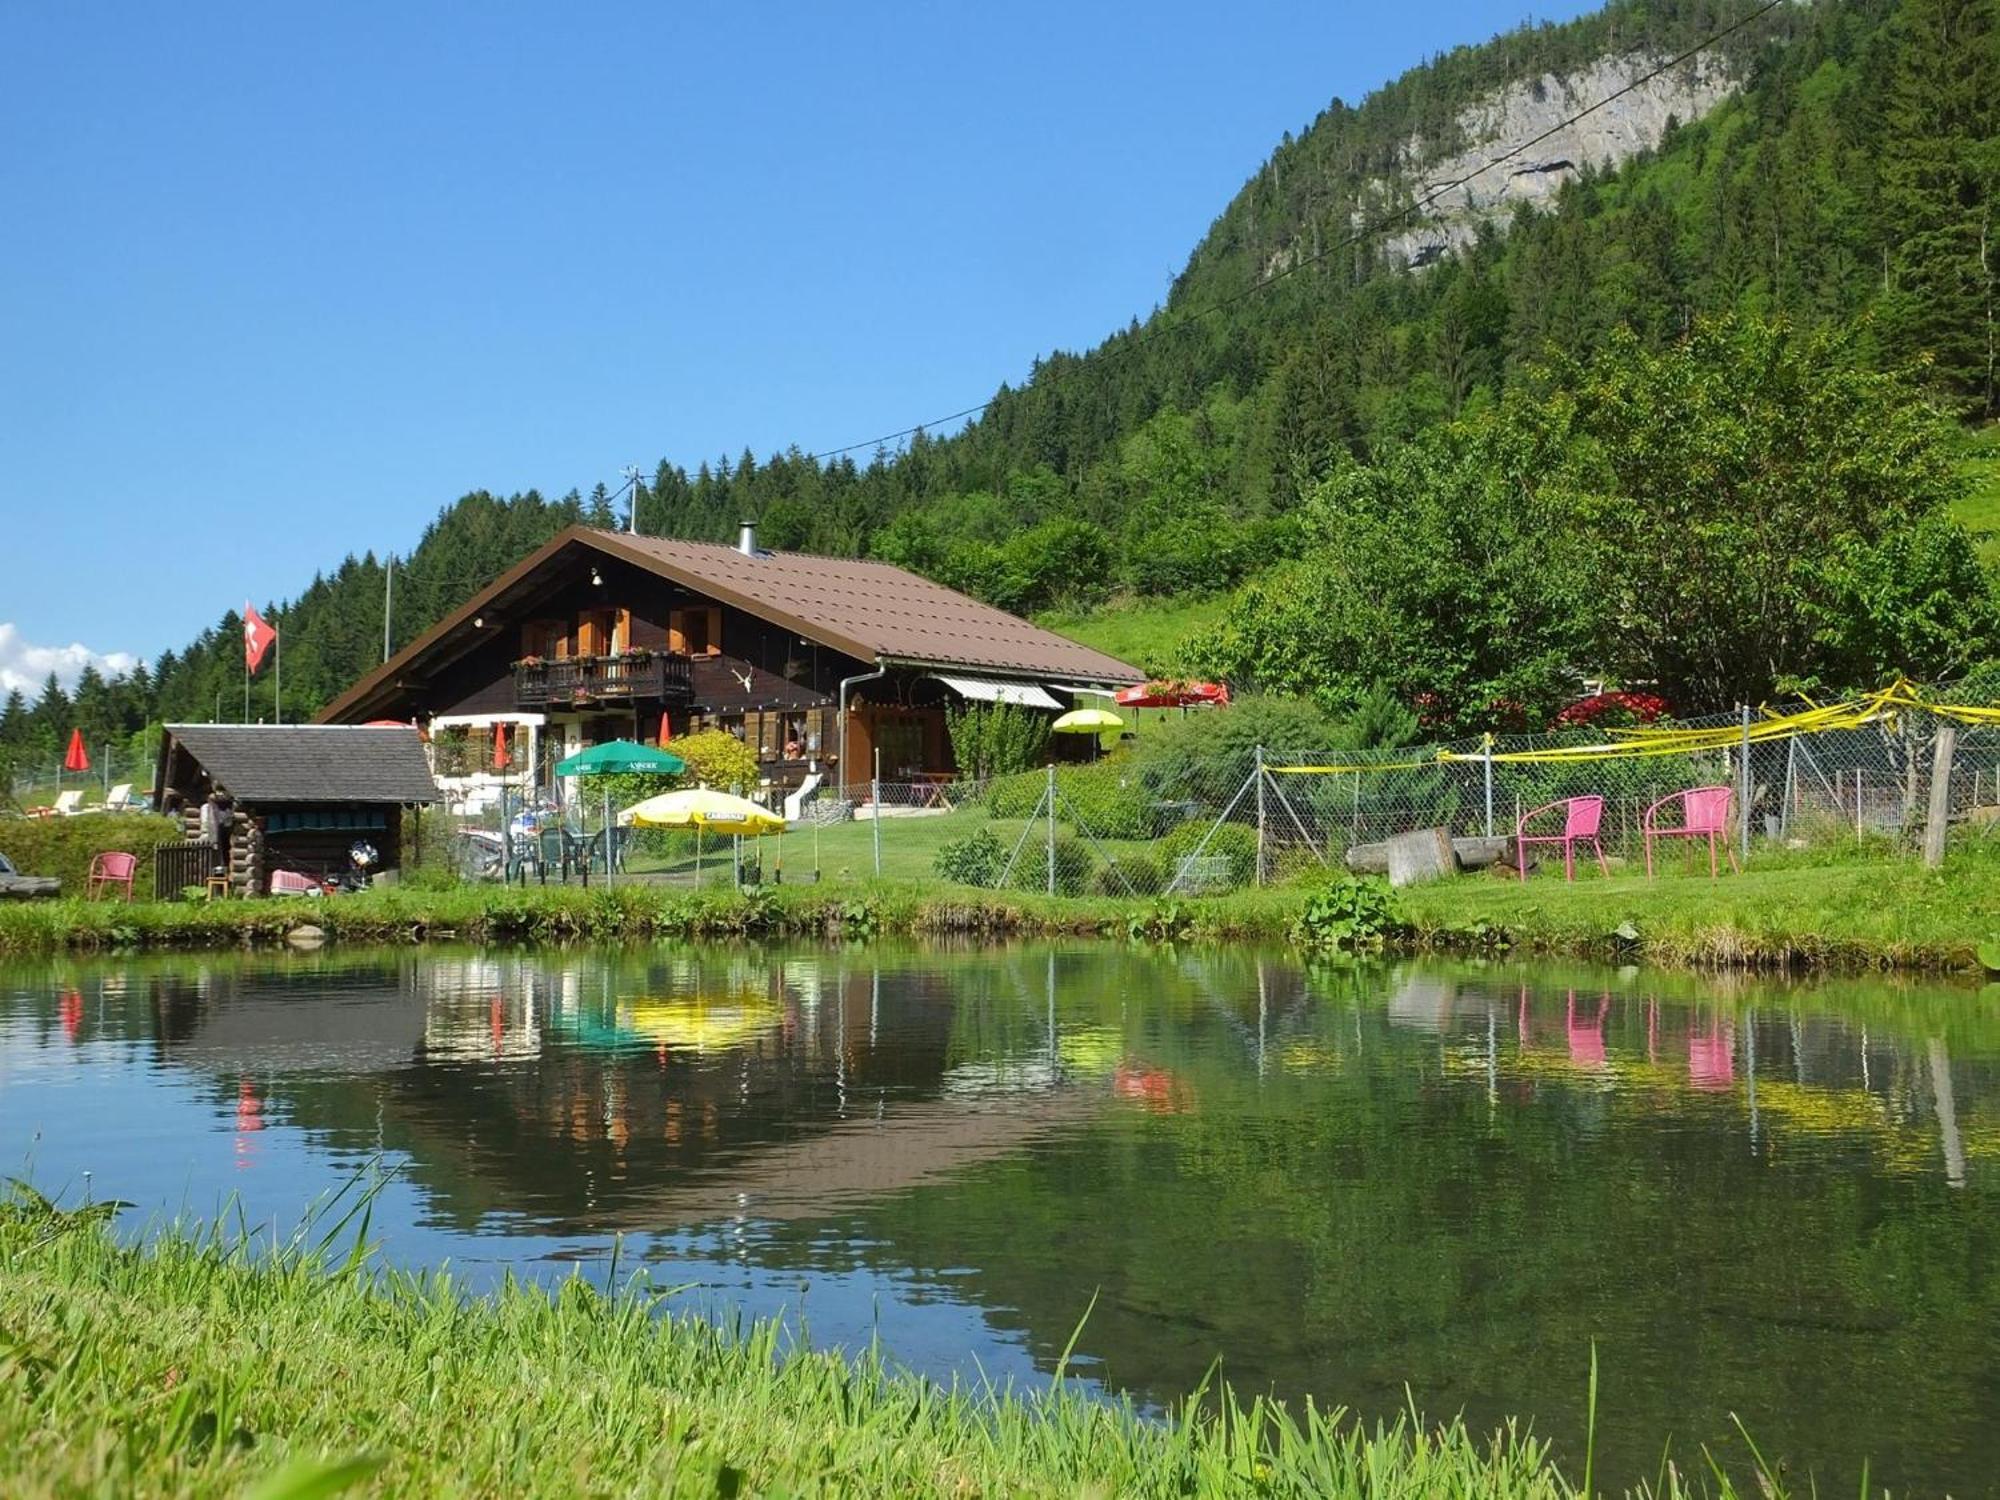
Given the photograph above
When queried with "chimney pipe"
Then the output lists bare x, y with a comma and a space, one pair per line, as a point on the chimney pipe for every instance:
746, 539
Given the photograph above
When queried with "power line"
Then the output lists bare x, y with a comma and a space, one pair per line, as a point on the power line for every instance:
1159, 331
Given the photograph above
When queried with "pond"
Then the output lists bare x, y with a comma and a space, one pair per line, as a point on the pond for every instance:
1781, 1201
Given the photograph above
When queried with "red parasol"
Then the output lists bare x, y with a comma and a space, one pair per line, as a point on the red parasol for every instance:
500, 756
77, 758
1169, 693
666, 728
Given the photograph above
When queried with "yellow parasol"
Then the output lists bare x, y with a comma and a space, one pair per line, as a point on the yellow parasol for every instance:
703, 810
1088, 721
699, 807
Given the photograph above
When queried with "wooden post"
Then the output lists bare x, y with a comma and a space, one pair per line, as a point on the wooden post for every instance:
1940, 806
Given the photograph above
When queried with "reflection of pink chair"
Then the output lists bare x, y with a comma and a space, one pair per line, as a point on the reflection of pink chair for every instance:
1581, 815
1704, 814
1712, 1058
1586, 1041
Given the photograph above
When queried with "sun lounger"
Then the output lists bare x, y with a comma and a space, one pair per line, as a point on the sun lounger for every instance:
66, 803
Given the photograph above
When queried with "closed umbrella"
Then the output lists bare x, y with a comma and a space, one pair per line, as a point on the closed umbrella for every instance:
500, 756
76, 758
704, 811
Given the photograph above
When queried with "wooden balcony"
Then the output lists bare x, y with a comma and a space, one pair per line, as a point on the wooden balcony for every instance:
662, 677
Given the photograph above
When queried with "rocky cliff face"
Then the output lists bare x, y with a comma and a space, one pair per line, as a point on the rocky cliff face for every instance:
1522, 112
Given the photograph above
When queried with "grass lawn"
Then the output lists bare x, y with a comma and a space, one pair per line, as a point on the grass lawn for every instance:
196, 1367
1980, 510
1877, 906
1149, 633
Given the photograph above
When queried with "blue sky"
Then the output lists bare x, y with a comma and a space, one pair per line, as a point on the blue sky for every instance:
277, 282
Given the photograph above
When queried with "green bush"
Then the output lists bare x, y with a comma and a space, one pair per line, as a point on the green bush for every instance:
973, 860
1349, 914
64, 847
1234, 842
1109, 799
1142, 877
1073, 867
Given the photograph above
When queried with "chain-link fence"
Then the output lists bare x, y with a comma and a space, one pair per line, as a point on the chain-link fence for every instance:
119, 777
1202, 818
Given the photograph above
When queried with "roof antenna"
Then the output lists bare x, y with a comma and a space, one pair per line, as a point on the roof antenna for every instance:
632, 480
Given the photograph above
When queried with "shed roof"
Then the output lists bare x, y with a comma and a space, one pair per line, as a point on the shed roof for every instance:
312, 763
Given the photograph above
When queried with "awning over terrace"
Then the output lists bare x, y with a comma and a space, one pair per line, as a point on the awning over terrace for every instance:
987, 690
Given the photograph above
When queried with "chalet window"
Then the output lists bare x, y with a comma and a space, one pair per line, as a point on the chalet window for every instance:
696, 631
597, 632
792, 735
547, 639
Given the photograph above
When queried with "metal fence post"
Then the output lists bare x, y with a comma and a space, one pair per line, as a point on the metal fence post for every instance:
1050, 794
1743, 778
1260, 815
875, 807
1489, 785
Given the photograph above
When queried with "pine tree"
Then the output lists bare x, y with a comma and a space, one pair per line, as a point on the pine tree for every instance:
1940, 185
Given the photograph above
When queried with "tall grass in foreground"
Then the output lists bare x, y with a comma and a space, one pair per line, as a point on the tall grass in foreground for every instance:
212, 1363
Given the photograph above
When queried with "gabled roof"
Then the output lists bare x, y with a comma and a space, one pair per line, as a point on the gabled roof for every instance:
321, 763
868, 610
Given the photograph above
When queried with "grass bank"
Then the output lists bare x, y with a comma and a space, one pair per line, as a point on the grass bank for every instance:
1876, 909
1870, 910
195, 1367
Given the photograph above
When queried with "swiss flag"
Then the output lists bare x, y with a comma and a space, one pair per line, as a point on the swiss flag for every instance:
257, 637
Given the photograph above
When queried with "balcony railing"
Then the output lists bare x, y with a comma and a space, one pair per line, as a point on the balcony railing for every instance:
662, 676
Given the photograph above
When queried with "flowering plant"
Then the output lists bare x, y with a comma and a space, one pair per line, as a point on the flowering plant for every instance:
1616, 710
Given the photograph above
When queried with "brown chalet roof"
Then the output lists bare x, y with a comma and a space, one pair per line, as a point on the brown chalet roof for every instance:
869, 610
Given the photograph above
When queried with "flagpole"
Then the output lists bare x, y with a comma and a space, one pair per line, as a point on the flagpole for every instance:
278, 676
246, 661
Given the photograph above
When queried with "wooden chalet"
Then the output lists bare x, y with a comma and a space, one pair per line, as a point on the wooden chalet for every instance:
604, 635
298, 797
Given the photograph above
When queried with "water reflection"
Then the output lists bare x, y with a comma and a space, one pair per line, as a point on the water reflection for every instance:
1772, 1199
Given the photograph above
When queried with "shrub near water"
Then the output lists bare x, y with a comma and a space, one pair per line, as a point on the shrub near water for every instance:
64, 847
973, 860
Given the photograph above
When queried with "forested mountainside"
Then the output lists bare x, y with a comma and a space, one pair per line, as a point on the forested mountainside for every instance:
1830, 163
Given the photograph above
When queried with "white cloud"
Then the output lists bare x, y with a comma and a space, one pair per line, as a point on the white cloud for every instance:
26, 666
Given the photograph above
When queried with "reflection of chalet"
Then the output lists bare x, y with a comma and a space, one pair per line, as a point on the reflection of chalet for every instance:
604, 635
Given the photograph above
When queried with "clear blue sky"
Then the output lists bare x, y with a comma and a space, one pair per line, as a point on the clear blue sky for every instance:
277, 281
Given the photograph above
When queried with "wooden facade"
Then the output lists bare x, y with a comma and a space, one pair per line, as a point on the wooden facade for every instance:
604, 635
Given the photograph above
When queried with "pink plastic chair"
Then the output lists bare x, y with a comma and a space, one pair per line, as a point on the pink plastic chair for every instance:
107, 870
1704, 814
1581, 815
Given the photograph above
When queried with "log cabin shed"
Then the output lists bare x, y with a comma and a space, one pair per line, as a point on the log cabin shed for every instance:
300, 794
824, 666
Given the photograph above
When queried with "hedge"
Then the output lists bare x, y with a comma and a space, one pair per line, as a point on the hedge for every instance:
64, 847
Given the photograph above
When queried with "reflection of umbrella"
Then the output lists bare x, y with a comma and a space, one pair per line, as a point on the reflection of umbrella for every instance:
1087, 721
698, 1025
620, 755
76, 758
698, 807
